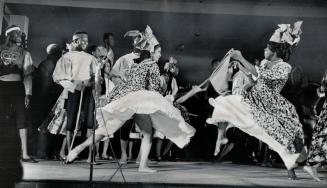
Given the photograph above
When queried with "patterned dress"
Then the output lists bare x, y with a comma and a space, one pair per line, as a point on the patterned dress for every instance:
318, 148
270, 109
140, 95
263, 113
143, 76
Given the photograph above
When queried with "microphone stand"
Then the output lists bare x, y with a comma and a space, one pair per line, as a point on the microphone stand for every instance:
96, 99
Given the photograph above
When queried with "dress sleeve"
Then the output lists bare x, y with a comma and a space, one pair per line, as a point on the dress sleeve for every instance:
154, 78
279, 71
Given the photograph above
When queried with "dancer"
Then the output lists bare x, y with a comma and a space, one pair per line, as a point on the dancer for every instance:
169, 88
74, 72
262, 112
118, 75
318, 148
16, 67
239, 81
138, 97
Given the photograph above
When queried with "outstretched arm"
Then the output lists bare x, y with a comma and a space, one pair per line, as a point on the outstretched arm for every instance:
193, 91
237, 55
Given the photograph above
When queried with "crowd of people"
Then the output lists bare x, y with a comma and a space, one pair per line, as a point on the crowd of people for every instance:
84, 88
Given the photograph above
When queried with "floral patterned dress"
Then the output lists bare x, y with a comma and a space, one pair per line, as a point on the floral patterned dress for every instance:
263, 113
140, 95
318, 148
143, 76
270, 109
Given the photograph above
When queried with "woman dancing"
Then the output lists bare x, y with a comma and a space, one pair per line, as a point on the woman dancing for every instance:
317, 154
139, 97
169, 89
261, 111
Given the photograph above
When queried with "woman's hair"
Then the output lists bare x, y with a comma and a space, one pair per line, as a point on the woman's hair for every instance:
283, 50
144, 54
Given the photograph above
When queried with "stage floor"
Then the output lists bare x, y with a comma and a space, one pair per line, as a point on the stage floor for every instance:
200, 173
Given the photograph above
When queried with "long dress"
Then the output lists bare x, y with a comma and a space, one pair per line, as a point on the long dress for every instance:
140, 95
263, 113
318, 147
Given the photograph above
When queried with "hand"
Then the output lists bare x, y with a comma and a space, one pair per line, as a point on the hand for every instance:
27, 101
80, 86
322, 88
250, 76
237, 55
197, 89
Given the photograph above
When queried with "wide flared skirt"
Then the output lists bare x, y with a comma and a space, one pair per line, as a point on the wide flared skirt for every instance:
165, 118
234, 110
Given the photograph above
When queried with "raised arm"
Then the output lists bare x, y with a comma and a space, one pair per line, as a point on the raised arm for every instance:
237, 55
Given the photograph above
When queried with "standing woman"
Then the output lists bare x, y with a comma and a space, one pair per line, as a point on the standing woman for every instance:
139, 97
261, 111
16, 69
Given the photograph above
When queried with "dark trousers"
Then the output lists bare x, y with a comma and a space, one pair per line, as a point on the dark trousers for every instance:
87, 109
12, 102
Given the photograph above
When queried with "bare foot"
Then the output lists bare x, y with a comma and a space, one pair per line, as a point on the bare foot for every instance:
62, 156
147, 170
219, 143
123, 159
73, 154
226, 150
312, 171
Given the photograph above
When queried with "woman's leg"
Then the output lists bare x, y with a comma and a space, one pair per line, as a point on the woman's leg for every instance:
123, 148
312, 170
145, 124
104, 154
78, 149
167, 148
221, 138
100, 133
130, 149
158, 149
145, 150
62, 152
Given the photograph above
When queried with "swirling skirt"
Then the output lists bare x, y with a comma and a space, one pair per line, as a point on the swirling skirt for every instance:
165, 118
234, 110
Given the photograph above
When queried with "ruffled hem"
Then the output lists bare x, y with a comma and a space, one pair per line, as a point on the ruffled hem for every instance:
165, 117
233, 110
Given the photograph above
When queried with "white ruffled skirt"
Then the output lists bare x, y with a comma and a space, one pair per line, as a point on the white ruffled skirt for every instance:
164, 116
234, 110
